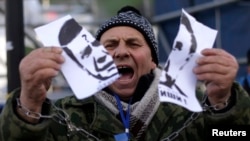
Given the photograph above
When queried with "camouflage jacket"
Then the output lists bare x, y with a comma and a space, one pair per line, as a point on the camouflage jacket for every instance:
93, 119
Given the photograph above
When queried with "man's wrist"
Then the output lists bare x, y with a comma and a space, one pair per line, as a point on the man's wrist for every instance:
221, 106
26, 114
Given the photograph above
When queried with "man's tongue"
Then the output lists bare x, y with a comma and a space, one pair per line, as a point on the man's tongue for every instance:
126, 76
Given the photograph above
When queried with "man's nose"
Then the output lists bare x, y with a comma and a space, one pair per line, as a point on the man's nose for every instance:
121, 51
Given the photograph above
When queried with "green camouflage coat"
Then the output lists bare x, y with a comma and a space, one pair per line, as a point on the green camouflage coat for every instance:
168, 120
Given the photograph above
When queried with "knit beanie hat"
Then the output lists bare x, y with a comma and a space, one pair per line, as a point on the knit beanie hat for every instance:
129, 16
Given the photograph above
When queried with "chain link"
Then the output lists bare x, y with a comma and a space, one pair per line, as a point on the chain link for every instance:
59, 116
192, 117
173, 135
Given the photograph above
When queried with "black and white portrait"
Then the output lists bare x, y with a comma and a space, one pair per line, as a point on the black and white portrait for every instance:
180, 56
91, 57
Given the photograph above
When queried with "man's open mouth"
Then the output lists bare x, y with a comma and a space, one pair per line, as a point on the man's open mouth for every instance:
126, 72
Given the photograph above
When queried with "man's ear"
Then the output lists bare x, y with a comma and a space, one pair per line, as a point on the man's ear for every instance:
153, 65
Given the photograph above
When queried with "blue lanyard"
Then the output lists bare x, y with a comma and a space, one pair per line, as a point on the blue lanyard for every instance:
125, 120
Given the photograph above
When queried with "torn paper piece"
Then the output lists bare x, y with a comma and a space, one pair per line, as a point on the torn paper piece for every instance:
88, 67
178, 82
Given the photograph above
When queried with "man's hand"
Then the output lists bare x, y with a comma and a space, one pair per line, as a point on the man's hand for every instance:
36, 71
218, 69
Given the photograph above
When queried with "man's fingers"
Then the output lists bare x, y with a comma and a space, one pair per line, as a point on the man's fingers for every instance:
46, 49
57, 50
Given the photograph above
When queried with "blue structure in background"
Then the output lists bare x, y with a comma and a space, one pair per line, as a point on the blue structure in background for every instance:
231, 20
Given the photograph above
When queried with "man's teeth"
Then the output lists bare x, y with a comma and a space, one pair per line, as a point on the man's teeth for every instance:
122, 67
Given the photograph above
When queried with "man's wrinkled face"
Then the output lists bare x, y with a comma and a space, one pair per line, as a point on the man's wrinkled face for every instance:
131, 55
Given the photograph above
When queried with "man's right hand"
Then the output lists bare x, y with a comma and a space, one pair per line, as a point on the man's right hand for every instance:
36, 72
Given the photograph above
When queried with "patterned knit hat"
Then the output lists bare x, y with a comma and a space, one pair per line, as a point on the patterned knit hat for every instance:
129, 16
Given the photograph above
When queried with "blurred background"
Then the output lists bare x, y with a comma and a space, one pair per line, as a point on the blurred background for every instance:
18, 18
